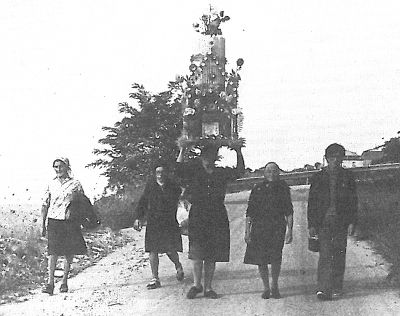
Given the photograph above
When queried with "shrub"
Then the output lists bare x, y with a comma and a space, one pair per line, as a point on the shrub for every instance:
117, 211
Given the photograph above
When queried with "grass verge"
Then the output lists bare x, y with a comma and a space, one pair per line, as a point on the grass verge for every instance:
384, 233
24, 263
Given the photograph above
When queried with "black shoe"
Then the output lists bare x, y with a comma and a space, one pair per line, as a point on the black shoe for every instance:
265, 295
275, 293
48, 288
63, 288
153, 284
210, 294
194, 291
322, 296
337, 293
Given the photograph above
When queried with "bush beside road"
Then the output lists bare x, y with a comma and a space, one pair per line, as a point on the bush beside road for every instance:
24, 262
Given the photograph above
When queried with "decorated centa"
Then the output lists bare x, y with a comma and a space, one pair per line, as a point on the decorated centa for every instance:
210, 100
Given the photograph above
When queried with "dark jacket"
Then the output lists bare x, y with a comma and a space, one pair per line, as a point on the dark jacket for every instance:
207, 190
319, 198
159, 206
270, 200
81, 211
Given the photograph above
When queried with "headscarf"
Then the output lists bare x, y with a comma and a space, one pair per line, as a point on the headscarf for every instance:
64, 160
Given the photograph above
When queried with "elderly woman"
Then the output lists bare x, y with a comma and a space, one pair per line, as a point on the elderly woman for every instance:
64, 237
209, 240
268, 214
158, 204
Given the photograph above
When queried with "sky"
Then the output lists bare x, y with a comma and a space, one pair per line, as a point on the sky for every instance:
315, 72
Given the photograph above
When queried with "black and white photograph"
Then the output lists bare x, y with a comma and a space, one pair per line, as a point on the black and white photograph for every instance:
199, 157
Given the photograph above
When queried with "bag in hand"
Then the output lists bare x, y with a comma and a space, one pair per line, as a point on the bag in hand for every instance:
184, 226
81, 211
182, 216
313, 244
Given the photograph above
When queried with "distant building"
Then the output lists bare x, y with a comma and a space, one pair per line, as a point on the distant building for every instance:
351, 160
372, 156
318, 165
308, 167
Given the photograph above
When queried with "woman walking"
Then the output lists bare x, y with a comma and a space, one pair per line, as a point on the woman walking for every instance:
158, 205
268, 214
64, 236
209, 239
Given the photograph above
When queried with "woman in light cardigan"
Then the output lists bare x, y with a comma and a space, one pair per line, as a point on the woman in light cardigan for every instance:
64, 237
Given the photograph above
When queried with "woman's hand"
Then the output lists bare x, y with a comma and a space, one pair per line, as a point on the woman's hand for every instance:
351, 230
236, 144
312, 231
137, 225
289, 237
44, 231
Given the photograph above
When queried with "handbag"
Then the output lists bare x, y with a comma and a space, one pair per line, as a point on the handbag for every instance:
184, 226
182, 216
313, 244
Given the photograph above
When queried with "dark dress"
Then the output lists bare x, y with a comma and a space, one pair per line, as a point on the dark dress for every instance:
268, 205
159, 205
208, 219
65, 238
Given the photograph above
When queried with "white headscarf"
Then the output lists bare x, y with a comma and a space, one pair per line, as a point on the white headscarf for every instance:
64, 160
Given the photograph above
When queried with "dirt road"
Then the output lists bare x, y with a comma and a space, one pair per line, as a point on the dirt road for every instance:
116, 285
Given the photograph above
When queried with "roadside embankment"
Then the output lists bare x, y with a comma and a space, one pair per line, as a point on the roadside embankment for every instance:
23, 254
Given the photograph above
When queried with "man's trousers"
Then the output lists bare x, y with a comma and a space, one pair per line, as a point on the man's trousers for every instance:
332, 257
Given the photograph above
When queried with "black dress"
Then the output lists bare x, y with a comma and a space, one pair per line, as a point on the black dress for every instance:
159, 205
268, 205
208, 219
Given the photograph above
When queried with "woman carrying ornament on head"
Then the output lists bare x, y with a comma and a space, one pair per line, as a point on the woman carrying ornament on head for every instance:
209, 240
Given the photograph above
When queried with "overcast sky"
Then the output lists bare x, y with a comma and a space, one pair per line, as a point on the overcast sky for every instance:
315, 72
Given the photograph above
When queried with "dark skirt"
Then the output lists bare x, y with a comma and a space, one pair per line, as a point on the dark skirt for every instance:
162, 237
267, 241
64, 238
209, 234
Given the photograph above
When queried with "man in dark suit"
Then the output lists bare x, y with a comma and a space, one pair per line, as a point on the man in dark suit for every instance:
332, 215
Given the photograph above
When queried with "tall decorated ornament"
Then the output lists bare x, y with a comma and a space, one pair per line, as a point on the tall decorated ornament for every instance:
210, 100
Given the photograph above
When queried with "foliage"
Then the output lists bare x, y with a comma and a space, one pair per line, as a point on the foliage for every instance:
210, 23
117, 211
147, 132
24, 262
391, 150
150, 129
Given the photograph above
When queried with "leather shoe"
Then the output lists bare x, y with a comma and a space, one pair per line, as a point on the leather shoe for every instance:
210, 294
194, 291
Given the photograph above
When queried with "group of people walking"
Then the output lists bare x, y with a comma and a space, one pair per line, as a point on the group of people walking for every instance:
331, 214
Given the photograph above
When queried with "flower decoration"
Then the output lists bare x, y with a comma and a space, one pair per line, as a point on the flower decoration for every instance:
189, 111
192, 67
212, 92
210, 23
